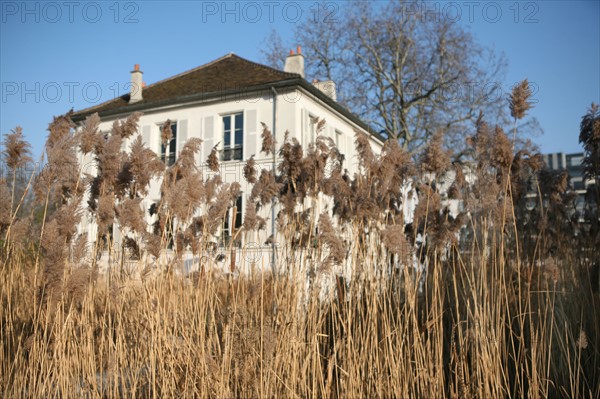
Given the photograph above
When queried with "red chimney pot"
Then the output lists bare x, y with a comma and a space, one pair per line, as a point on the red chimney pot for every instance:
136, 67
299, 50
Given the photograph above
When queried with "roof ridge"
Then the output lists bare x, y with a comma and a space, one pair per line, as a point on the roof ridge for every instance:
291, 74
226, 56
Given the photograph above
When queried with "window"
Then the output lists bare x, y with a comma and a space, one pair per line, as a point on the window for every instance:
233, 137
578, 184
233, 215
167, 154
575, 160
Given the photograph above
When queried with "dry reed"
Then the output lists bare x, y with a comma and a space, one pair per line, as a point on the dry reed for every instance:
492, 299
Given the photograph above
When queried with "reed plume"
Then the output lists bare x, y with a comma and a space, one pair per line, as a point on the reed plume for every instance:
250, 170
16, 151
213, 159
166, 134
518, 101
266, 188
329, 237
436, 160
268, 141
89, 137
144, 166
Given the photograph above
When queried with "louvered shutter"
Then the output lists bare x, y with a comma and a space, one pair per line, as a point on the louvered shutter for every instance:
308, 128
198, 134
208, 135
146, 136
251, 139
350, 148
303, 128
182, 134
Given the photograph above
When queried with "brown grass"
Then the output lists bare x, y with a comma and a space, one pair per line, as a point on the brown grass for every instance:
499, 300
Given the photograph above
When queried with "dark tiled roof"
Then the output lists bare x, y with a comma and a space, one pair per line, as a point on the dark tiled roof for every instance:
226, 73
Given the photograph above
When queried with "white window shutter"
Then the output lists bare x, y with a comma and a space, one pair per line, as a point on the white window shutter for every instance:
251, 145
182, 134
146, 136
307, 130
208, 135
303, 129
349, 146
199, 153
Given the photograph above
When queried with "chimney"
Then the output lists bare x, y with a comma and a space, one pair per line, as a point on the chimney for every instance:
327, 87
136, 85
294, 63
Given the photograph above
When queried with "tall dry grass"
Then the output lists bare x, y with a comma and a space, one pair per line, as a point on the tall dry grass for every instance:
504, 301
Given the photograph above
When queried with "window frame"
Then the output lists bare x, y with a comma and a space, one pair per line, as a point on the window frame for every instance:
230, 150
168, 158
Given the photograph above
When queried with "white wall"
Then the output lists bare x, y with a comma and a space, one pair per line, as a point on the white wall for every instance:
203, 120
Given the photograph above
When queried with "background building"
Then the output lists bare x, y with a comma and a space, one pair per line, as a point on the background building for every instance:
572, 163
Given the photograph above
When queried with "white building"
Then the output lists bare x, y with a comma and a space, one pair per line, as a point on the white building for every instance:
225, 101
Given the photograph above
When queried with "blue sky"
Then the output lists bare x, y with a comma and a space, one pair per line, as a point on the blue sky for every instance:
59, 55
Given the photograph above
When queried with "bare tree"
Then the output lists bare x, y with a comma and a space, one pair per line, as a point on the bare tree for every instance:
273, 51
408, 72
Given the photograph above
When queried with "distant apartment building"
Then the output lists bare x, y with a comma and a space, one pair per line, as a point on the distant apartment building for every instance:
572, 163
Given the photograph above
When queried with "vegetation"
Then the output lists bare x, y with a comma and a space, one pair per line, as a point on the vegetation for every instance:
407, 69
487, 290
